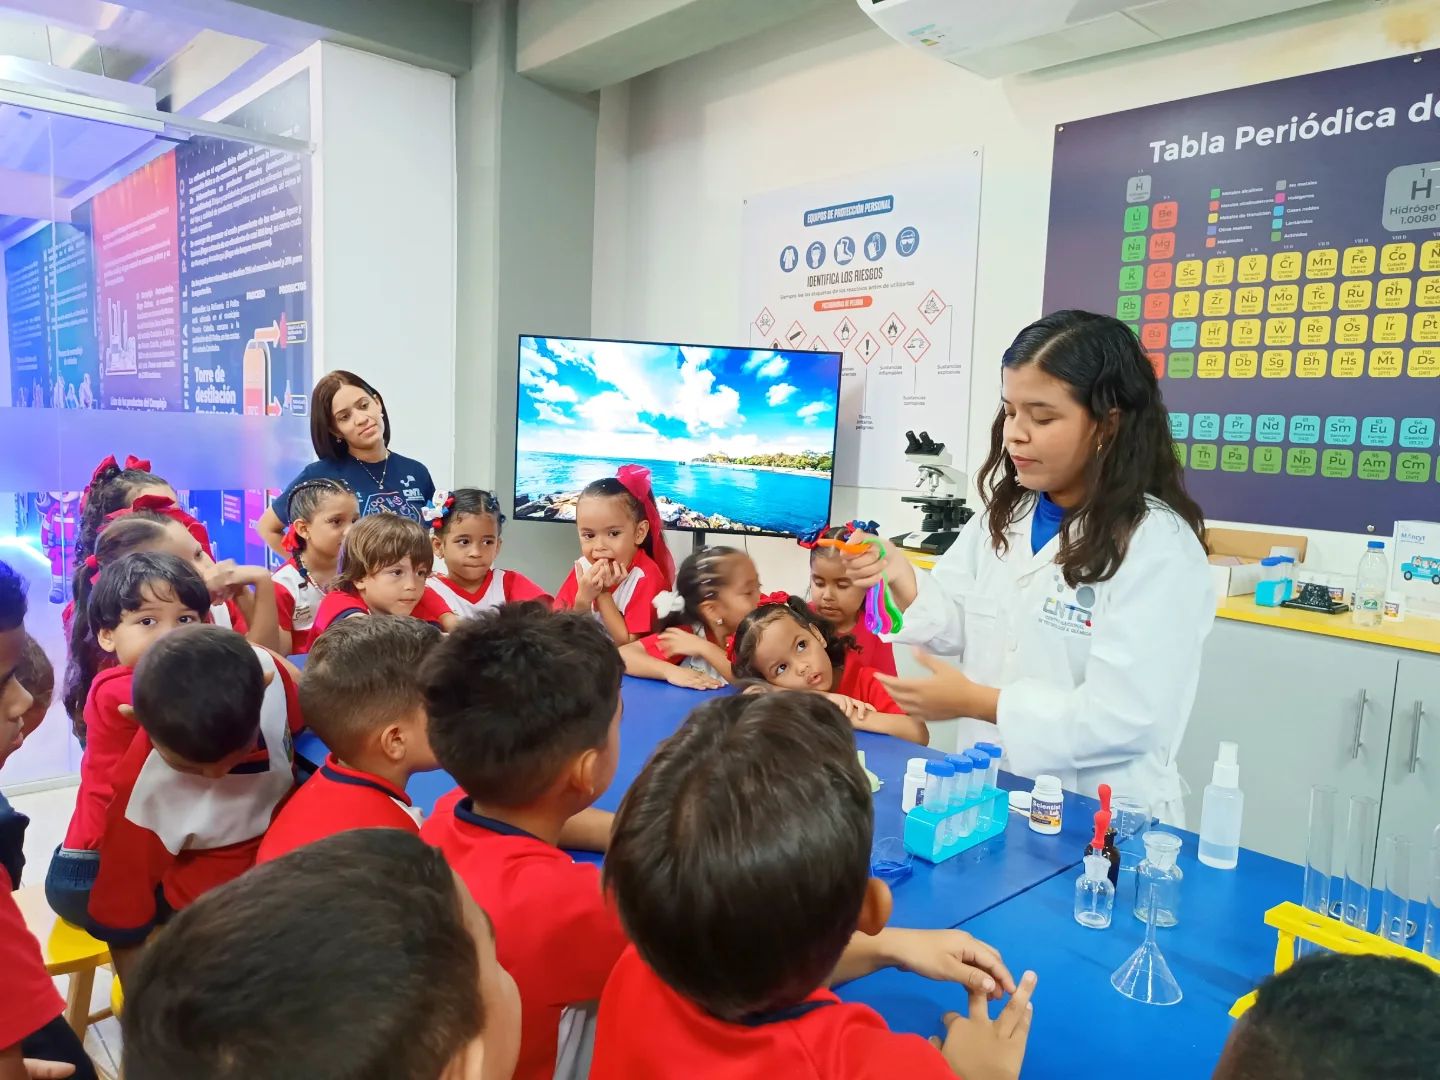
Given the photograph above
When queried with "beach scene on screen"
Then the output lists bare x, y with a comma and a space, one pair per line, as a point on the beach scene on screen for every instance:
736, 440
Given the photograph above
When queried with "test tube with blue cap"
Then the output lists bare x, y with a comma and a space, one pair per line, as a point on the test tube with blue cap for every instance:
939, 779
995, 752
960, 824
980, 762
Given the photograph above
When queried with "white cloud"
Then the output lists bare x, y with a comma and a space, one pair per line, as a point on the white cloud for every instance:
612, 411
552, 415
766, 365
810, 412
779, 394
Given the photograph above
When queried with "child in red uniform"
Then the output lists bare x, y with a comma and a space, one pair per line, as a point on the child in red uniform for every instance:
137, 600
715, 588
524, 709
361, 694
624, 563
465, 528
739, 930
354, 958
32, 1024
383, 567
200, 783
790, 647
840, 601
320, 512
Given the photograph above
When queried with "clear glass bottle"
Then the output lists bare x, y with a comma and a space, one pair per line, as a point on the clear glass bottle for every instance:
1160, 877
1094, 895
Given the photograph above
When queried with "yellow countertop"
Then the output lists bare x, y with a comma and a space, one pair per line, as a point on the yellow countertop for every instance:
1415, 633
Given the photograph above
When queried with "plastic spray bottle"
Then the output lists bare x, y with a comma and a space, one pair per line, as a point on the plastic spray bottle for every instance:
1220, 815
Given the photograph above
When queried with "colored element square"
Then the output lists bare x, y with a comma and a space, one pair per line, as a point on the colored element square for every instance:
1217, 302
1279, 185
1311, 363
1275, 364
1352, 329
1397, 258
1285, 266
1152, 335
1214, 193
1337, 464
1248, 301
1424, 362
1189, 273
1210, 365
1270, 428
1305, 430
1268, 460
1162, 245
1280, 331
1244, 364
1182, 335
1250, 269
1322, 263
1358, 261
1186, 305
1159, 275
1319, 296
1219, 271
1315, 330
1211, 219
1340, 430
1133, 327
1132, 278
1235, 459
1426, 327
1412, 468
1430, 255
1137, 218
1203, 457
1355, 295
1211, 231
1385, 363
1214, 204
1245, 332
1157, 363
1389, 327
1377, 431
1132, 249
1280, 198
1283, 299
1210, 242
1137, 189
1182, 453
1181, 365
1127, 308
1207, 425
1417, 432
1179, 425
1274, 236
1157, 305
1374, 465
1166, 214
1300, 462
1427, 292
1347, 363
1392, 293
1213, 333
1238, 427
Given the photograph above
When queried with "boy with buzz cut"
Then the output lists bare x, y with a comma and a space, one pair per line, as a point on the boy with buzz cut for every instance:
1336, 1017
356, 957
524, 709
360, 693
199, 784
740, 864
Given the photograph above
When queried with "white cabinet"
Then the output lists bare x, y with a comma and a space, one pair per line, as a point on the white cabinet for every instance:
1305, 710
1410, 805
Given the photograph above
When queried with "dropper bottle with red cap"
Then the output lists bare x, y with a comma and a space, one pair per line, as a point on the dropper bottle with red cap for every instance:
1094, 893
1108, 847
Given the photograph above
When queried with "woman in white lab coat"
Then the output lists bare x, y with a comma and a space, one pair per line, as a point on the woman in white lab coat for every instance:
1076, 605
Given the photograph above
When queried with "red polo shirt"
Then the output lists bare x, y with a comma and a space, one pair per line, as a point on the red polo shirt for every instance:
647, 1031
554, 932
858, 681
874, 653
29, 1000
341, 604
337, 798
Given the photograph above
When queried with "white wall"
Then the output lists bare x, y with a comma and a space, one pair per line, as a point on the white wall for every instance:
832, 95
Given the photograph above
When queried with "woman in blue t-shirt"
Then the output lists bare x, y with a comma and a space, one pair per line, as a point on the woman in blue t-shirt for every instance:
351, 433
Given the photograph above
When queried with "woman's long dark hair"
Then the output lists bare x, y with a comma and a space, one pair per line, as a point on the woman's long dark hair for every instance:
1101, 361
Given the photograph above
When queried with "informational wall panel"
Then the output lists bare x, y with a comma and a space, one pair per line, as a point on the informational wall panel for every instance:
1277, 250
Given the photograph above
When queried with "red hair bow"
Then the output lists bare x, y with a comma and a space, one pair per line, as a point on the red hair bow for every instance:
773, 598
636, 480
131, 462
730, 648
165, 506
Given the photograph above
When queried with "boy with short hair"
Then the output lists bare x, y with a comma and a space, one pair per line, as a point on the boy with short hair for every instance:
360, 693
1339, 1017
360, 955
740, 864
524, 709
195, 792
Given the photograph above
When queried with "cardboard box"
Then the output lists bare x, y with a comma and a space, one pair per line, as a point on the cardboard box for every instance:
1235, 556
1416, 552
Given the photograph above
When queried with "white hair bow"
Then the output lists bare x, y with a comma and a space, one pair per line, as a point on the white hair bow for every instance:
669, 603
438, 507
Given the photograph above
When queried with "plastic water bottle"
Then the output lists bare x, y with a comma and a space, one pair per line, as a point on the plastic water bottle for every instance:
1220, 815
1372, 579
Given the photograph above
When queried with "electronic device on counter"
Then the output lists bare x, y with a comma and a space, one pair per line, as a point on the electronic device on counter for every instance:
943, 508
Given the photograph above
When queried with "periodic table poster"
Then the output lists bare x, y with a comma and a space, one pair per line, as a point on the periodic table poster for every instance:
1277, 250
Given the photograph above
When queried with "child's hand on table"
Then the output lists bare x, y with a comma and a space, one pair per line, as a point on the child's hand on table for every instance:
855, 710
979, 1048
691, 679
950, 956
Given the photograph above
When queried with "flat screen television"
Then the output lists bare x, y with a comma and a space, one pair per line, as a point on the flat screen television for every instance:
737, 440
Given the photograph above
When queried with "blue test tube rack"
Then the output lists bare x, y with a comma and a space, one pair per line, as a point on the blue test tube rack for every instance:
922, 826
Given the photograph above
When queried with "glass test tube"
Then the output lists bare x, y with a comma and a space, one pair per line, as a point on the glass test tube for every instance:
1431, 944
1360, 836
1395, 903
978, 815
960, 820
1320, 850
939, 781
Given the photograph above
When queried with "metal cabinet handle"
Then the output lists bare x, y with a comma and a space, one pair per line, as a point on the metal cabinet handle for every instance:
1415, 738
1355, 741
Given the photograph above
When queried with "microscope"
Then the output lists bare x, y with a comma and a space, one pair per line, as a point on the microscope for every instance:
943, 506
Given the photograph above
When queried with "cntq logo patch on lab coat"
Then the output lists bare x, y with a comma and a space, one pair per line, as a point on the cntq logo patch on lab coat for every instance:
1071, 611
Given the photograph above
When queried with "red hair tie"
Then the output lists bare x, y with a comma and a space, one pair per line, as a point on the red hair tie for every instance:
773, 598
636, 480
291, 540
165, 506
730, 648
133, 462
93, 565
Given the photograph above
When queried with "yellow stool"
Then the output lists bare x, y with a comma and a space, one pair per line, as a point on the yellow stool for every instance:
117, 997
67, 950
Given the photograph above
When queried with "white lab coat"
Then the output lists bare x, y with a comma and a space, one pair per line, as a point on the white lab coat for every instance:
1096, 683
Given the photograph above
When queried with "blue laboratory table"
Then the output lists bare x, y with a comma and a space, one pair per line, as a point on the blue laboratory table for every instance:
1016, 892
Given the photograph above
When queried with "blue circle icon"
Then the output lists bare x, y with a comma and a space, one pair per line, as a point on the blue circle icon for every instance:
844, 250
875, 246
815, 255
789, 258
907, 240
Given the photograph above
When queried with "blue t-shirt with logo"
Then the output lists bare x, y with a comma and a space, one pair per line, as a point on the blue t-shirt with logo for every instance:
407, 485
